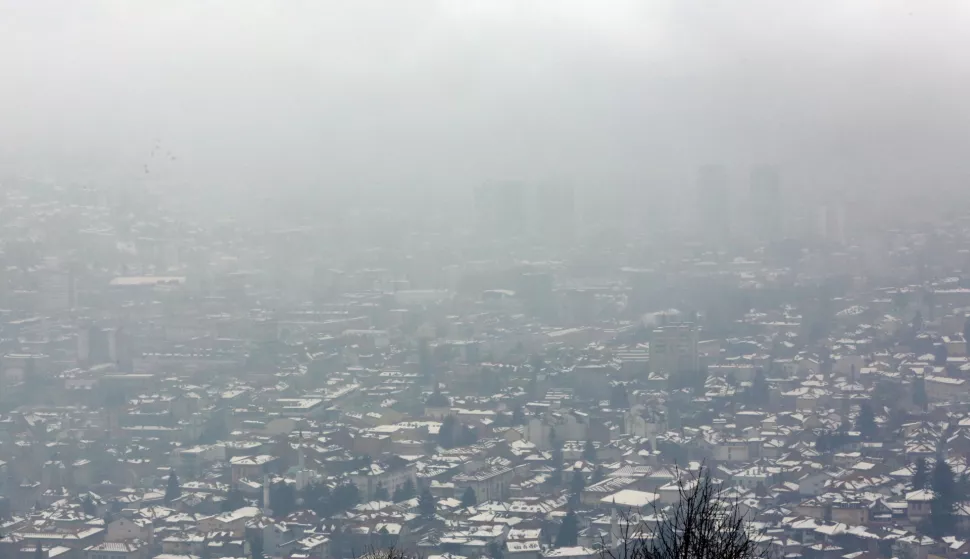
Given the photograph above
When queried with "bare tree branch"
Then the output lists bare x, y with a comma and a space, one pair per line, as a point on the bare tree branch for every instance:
701, 525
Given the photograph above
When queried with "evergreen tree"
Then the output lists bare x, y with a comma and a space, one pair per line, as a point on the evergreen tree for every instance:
495, 551
942, 520
380, 494
224, 505
490, 381
425, 360
673, 416
282, 498
618, 397
759, 392
344, 497
866, 422
173, 490
30, 373
468, 436
88, 506
234, 500
518, 416
822, 443
385, 541
576, 486
316, 497
962, 487
408, 489
256, 547
468, 498
446, 433
919, 393
698, 379
568, 533
597, 474
920, 474
589, 451
897, 418
338, 542
940, 354
264, 355
922, 345
39, 552
537, 363
206, 553
553, 438
351, 495
844, 426
966, 333
437, 399
427, 505
556, 477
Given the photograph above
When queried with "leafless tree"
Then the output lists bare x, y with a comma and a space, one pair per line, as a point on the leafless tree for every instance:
701, 525
387, 553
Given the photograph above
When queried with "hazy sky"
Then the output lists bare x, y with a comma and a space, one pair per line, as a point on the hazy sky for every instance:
455, 92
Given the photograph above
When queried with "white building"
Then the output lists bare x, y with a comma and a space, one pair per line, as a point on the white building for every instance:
673, 349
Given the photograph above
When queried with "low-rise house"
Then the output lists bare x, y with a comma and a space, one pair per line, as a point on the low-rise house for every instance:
116, 550
370, 478
128, 529
918, 504
492, 483
251, 467
233, 521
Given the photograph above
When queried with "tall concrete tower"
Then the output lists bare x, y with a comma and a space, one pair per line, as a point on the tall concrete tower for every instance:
712, 204
767, 210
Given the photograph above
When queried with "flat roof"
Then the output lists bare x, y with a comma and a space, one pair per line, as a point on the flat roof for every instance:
132, 281
630, 498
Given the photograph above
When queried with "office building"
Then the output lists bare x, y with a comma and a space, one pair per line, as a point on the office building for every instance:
712, 204
767, 211
832, 222
57, 289
552, 213
673, 349
97, 345
500, 209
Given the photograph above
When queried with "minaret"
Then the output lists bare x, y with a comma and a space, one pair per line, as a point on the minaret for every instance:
266, 510
302, 475
614, 528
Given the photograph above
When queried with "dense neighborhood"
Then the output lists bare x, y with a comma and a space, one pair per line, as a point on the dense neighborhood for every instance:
174, 389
